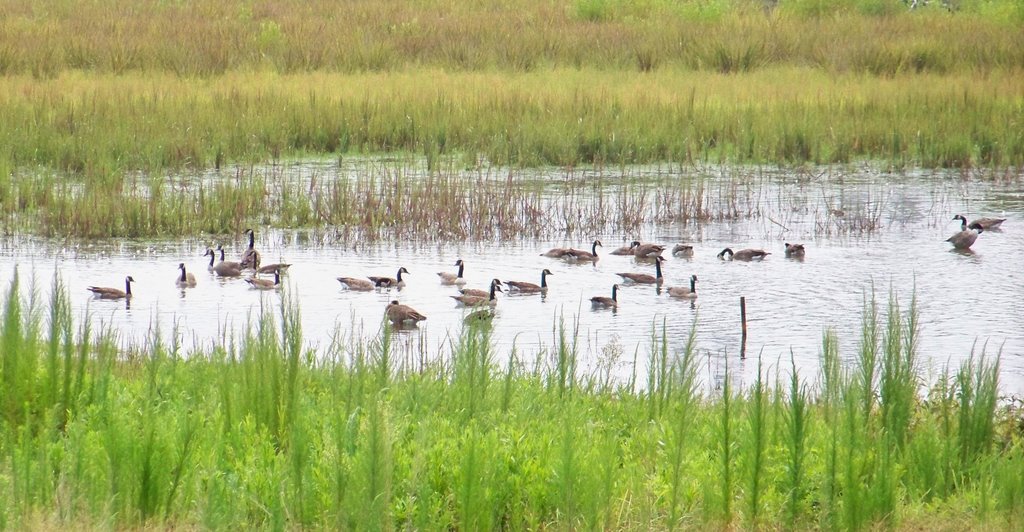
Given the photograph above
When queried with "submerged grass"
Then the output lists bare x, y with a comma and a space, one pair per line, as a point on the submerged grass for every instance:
264, 432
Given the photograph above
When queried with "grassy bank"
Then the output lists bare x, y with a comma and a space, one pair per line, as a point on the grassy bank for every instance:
105, 125
205, 37
260, 431
111, 87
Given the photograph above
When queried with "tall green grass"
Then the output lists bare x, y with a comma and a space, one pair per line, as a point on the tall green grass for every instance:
206, 37
108, 127
260, 431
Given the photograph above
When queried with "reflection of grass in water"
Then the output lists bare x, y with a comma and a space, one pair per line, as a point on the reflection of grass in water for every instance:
261, 431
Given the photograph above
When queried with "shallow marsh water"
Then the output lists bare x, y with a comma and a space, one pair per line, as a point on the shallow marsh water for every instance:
866, 233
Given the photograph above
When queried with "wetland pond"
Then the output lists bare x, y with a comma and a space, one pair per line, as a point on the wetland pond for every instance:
866, 233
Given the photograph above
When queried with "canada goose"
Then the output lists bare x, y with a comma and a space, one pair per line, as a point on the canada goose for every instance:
479, 293
986, 224
251, 257
644, 278
472, 301
104, 292
989, 224
626, 250
606, 302
400, 314
185, 280
684, 292
265, 284
744, 254
965, 238
388, 282
648, 251
682, 251
530, 288
223, 268
794, 250
271, 268
556, 253
356, 284
448, 278
579, 254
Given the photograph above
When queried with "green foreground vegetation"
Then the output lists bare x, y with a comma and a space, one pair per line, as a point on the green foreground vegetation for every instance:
260, 431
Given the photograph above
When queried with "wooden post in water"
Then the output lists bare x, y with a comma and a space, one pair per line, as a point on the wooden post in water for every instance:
743, 320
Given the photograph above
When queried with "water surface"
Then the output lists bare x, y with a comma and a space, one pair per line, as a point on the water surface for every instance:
867, 235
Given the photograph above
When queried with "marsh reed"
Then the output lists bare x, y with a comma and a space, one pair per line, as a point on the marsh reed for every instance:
263, 431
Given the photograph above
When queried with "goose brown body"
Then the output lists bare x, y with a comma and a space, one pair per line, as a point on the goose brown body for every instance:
477, 292
474, 301
185, 280
682, 250
683, 291
530, 288
449, 278
251, 257
353, 283
223, 268
399, 314
986, 224
104, 292
648, 251
580, 255
965, 238
645, 278
390, 282
271, 268
606, 302
743, 254
626, 250
265, 284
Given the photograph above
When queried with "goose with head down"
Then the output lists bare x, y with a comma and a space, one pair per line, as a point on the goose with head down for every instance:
399, 314
644, 278
682, 251
743, 254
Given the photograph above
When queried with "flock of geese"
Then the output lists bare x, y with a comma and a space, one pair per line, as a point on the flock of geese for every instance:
250, 261
484, 300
